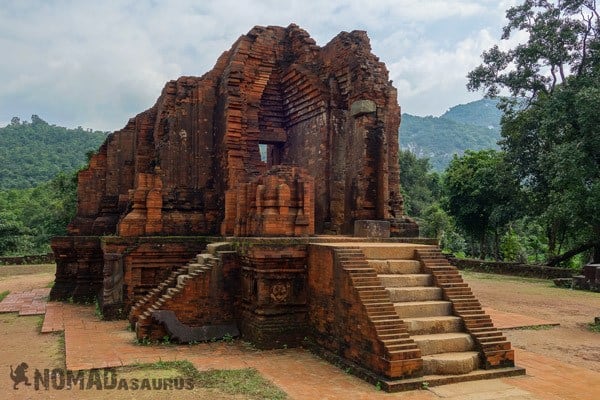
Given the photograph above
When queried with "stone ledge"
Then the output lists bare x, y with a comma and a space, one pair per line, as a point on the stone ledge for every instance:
371, 228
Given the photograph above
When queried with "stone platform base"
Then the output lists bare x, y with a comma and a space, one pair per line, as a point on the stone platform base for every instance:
437, 380
399, 385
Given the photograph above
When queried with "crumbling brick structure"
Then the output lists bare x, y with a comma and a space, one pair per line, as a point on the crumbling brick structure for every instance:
177, 168
199, 218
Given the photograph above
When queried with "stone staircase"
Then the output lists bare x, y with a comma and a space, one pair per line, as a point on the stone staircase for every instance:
148, 312
400, 353
457, 339
150, 299
445, 347
495, 350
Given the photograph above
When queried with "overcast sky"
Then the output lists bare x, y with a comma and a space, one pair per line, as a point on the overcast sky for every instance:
97, 63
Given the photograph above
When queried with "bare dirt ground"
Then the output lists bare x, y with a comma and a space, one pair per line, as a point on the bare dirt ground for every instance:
22, 341
20, 278
571, 342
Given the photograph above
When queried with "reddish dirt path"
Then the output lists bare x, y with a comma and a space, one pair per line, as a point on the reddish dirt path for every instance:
21, 278
571, 342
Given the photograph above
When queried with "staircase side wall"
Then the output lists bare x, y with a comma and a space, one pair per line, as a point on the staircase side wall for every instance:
495, 350
340, 323
209, 298
144, 262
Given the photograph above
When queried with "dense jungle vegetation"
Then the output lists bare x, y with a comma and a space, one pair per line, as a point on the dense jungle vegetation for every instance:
38, 163
536, 199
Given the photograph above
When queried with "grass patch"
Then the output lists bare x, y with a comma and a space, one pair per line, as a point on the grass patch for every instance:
98, 310
4, 294
247, 382
32, 269
543, 327
50, 284
594, 327
61, 348
499, 277
61, 341
39, 322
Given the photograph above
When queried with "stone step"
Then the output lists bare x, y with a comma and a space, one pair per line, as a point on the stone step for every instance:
400, 347
430, 325
366, 281
470, 312
368, 288
496, 346
386, 331
491, 339
395, 266
389, 251
444, 343
450, 363
416, 293
368, 273
435, 260
416, 309
212, 248
405, 280
388, 336
382, 323
181, 279
385, 318
382, 311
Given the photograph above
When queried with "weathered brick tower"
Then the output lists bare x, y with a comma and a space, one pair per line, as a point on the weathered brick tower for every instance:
260, 172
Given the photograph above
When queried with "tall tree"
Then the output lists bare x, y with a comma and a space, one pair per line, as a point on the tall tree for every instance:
420, 187
482, 193
553, 137
562, 40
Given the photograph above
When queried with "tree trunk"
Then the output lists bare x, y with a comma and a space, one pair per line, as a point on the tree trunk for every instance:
482, 247
551, 234
496, 244
554, 261
595, 259
596, 254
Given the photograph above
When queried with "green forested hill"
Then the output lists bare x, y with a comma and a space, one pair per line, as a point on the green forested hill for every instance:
34, 152
472, 126
481, 113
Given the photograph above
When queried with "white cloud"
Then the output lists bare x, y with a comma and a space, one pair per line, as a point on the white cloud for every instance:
96, 64
433, 79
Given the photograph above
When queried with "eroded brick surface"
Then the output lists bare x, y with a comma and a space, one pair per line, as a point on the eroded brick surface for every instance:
190, 168
330, 110
191, 164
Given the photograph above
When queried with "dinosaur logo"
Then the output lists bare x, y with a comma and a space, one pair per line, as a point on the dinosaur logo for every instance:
19, 375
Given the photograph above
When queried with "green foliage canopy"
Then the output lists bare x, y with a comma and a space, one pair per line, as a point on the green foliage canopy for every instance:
35, 152
554, 141
420, 186
482, 192
30, 217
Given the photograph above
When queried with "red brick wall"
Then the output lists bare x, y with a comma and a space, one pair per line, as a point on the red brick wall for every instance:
79, 267
274, 295
211, 297
147, 261
339, 322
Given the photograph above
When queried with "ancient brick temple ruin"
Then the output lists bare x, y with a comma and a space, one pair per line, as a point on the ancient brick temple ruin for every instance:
262, 200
